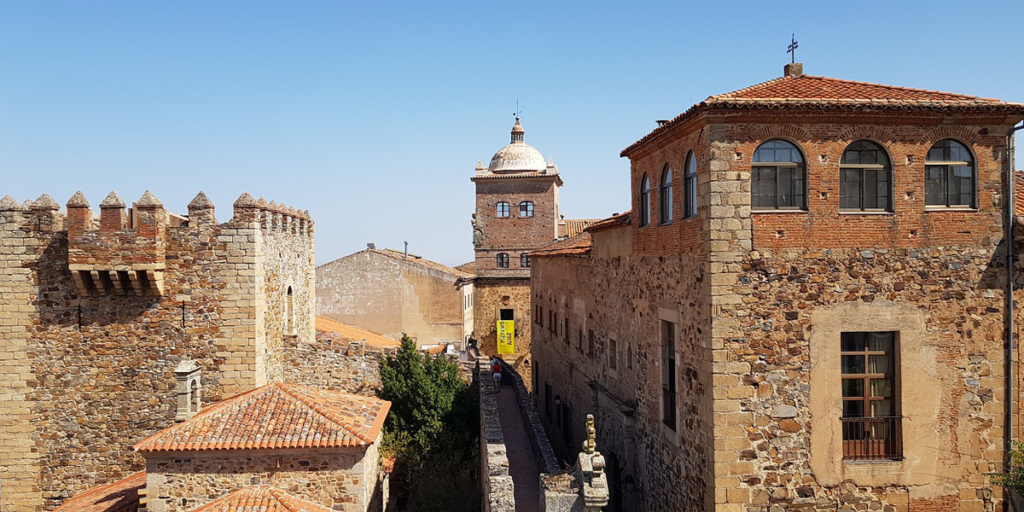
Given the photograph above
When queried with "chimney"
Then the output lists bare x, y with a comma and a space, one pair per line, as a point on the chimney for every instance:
371, 245
795, 69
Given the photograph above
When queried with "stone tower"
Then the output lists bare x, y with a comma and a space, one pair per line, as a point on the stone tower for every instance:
516, 212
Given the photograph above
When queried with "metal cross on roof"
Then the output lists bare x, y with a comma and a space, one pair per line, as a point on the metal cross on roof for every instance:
793, 45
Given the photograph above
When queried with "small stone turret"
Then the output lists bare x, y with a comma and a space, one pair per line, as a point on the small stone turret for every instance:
112, 216
201, 211
79, 215
46, 214
188, 389
151, 216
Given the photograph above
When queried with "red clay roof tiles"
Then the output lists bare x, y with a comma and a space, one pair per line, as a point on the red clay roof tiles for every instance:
822, 92
276, 416
573, 227
119, 496
261, 499
578, 245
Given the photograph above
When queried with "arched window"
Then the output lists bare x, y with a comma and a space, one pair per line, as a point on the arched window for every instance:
502, 260
501, 210
526, 209
524, 260
644, 202
864, 178
665, 196
195, 403
777, 177
949, 175
690, 187
290, 312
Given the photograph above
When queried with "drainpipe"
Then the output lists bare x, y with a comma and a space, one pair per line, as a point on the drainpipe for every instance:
1010, 210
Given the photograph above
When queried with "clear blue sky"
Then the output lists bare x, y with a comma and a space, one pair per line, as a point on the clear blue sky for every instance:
372, 115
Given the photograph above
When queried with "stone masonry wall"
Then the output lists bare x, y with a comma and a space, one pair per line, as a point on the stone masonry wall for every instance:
489, 297
343, 365
92, 371
496, 484
787, 286
345, 480
670, 470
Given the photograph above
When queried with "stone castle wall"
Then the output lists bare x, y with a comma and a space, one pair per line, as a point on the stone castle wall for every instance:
669, 470
343, 365
91, 356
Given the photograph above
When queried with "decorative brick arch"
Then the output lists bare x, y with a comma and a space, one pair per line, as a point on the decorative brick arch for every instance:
877, 134
957, 133
792, 133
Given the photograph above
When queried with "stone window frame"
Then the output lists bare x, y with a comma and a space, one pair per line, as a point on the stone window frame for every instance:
690, 186
799, 166
673, 316
866, 434
920, 402
863, 168
665, 196
947, 166
643, 205
502, 210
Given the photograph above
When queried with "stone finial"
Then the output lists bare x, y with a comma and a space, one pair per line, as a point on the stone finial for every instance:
200, 202
112, 201
78, 201
45, 202
272, 205
27, 204
9, 204
305, 213
148, 200
479, 165
262, 203
245, 201
292, 211
591, 443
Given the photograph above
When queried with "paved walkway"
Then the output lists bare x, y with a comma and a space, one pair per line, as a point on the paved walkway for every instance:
521, 463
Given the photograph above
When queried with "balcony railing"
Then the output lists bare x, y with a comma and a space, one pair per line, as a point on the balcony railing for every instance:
879, 438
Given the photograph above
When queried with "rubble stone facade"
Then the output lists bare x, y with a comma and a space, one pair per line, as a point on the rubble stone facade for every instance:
98, 313
758, 300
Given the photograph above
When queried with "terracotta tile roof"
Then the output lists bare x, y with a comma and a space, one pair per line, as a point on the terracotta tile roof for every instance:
809, 91
261, 499
573, 227
119, 496
619, 219
353, 333
421, 261
276, 416
578, 245
468, 267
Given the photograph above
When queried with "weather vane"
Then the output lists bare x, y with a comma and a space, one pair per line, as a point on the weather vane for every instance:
518, 112
793, 45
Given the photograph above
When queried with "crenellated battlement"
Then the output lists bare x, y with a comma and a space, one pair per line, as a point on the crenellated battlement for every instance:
122, 251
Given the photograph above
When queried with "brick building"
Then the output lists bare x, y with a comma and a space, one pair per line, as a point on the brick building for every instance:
808, 309
516, 212
99, 312
394, 292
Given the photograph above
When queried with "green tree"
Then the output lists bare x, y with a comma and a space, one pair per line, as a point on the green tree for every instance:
431, 430
1013, 477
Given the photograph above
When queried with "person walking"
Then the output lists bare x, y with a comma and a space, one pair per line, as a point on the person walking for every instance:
496, 372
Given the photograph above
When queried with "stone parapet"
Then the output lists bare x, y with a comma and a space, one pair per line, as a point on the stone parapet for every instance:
495, 481
543, 453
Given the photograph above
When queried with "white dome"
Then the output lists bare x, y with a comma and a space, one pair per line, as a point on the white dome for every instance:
517, 157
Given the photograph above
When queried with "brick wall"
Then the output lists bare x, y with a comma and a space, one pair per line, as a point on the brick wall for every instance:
514, 235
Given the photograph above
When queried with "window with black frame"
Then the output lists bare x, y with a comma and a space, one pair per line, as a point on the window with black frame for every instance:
526, 209
668, 374
690, 187
502, 260
778, 177
644, 202
949, 176
870, 379
524, 260
665, 196
865, 178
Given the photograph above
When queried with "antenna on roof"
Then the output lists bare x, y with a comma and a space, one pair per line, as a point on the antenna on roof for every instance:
793, 45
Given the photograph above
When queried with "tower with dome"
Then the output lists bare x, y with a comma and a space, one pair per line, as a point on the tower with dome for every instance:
516, 212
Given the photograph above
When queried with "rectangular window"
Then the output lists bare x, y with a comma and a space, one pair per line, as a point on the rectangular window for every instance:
629, 356
547, 399
590, 343
565, 330
540, 316
668, 374
777, 187
864, 189
611, 353
506, 314
870, 379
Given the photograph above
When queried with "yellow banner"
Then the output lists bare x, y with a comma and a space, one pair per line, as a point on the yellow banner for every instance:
506, 337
